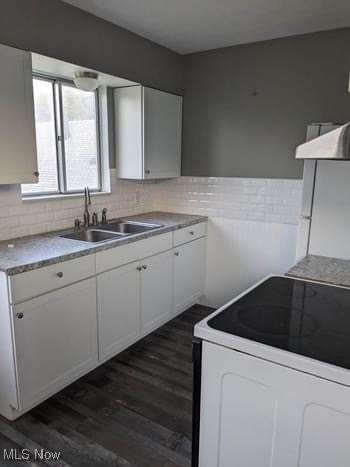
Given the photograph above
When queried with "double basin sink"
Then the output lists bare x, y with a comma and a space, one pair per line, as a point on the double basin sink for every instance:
110, 231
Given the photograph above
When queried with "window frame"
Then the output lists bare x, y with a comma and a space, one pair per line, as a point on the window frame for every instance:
57, 83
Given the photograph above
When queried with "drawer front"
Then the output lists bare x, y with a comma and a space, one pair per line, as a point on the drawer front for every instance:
39, 281
190, 233
113, 258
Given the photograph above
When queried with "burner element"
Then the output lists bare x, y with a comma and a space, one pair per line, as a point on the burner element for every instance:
298, 316
276, 320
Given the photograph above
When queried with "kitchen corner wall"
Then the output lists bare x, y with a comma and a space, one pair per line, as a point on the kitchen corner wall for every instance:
252, 228
247, 107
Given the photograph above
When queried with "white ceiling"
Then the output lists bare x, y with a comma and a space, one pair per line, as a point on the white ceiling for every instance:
193, 25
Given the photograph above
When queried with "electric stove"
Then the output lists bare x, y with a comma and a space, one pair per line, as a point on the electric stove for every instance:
302, 317
271, 369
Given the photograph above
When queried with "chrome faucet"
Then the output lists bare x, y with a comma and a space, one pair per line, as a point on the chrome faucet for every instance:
87, 203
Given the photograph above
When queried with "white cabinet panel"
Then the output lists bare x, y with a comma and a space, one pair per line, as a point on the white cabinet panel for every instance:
327, 445
156, 291
190, 233
55, 340
114, 257
330, 225
128, 132
17, 125
39, 281
256, 413
162, 134
189, 274
148, 133
119, 316
255, 421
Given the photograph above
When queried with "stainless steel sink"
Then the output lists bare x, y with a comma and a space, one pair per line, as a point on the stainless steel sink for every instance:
129, 227
92, 235
110, 231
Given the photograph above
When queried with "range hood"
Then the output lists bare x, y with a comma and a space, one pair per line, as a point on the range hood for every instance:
334, 145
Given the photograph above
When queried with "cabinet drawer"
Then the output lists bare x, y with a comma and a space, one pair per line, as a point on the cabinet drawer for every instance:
190, 233
39, 281
113, 258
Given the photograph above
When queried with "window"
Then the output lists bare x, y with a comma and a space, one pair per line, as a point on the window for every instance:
67, 138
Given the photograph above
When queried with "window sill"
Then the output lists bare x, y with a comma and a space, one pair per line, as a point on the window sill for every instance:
56, 196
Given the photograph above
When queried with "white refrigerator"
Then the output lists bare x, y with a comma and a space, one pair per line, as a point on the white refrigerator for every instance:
324, 225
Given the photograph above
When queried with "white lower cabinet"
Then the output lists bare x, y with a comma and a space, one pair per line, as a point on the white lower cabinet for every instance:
133, 300
156, 291
62, 320
189, 274
118, 301
55, 340
257, 413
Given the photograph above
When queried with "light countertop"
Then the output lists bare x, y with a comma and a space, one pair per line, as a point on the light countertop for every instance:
323, 269
33, 252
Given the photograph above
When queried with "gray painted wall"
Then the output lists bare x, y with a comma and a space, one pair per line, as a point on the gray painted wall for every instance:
59, 30
247, 107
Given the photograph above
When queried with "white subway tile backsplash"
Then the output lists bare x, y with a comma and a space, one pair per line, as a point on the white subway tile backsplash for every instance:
19, 217
263, 200
266, 200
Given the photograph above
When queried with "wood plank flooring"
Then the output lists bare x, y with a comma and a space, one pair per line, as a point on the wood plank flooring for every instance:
133, 411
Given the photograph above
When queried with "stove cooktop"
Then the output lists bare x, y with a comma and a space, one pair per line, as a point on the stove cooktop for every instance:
308, 319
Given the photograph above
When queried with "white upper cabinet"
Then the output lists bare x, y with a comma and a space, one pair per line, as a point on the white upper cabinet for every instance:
17, 124
148, 133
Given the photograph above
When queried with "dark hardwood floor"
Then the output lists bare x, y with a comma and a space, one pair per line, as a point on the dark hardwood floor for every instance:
135, 410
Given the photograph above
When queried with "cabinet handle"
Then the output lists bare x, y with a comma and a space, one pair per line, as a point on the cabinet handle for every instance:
147, 172
191, 232
60, 274
144, 266
176, 253
139, 268
19, 315
36, 174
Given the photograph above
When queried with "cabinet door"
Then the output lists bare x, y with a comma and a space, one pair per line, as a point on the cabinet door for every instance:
17, 125
55, 340
119, 315
256, 413
189, 273
128, 132
162, 120
156, 291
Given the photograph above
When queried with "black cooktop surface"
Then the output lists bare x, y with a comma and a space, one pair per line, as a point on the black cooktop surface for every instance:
301, 317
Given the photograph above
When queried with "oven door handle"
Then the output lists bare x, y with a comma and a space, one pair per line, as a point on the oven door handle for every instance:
196, 404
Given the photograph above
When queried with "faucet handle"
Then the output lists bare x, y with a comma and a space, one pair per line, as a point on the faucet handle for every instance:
104, 216
94, 218
76, 224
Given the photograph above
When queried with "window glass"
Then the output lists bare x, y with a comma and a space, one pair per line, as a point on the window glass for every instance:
45, 139
80, 138
67, 134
